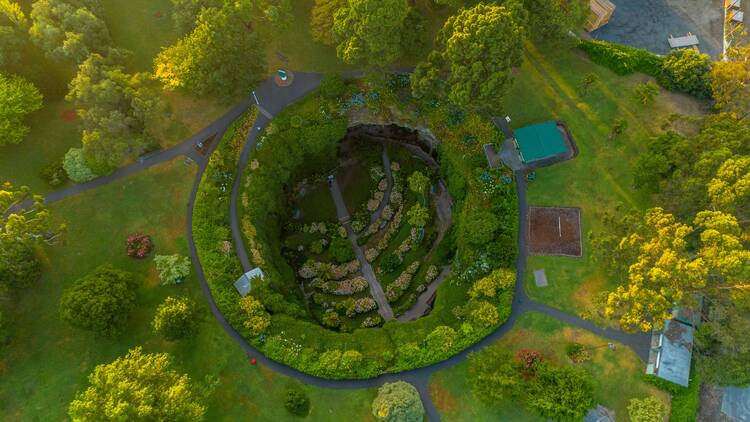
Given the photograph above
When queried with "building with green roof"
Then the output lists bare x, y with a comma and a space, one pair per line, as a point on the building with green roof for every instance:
540, 141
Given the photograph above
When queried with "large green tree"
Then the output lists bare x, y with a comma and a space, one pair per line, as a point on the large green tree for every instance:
13, 30
139, 386
176, 318
730, 81
117, 109
18, 98
321, 20
554, 19
398, 402
185, 12
687, 70
475, 52
561, 393
25, 223
100, 301
221, 56
68, 29
494, 376
369, 31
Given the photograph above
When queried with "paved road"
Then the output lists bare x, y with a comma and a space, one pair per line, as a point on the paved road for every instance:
272, 100
422, 304
376, 290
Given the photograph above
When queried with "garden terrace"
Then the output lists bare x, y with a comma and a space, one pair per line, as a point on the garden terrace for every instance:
316, 301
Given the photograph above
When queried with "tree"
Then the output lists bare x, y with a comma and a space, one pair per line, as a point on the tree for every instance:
13, 28
173, 269
185, 12
100, 301
369, 31
176, 318
649, 409
117, 110
25, 223
341, 250
398, 402
18, 98
494, 376
730, 81
321, 20
418, 183
137, 387
484, 314
554, 19
687, 71
76, 167
255, 315
442, 338
562, 394
730, 189
278, 13
219, 57
68, 30
418, 215
666, 270
476, 49
479, 226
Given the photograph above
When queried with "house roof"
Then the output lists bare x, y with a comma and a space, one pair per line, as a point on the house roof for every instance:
675, 352
244, 283
540, 141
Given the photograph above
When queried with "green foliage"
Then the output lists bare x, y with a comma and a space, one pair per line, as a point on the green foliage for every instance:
622, 59
730, 81
649, 409
589, 80
257, 319
657, 163
341, 250
18, 98
143, 386
685, 401
296, 401
554, 19
12, 35
76, 167
389, 263
19, 266
117, 110
646, 92
54, 173
490, 287
418, 182
176, 318
418, 215
478, 227
4, 335
332, 87
398, 402
369, 31
561, 393
415, 38
68, 30
172, 268
687, 71
494, 376
477, 49
218, 57
321, 20
185, 12
441, 338
100, 301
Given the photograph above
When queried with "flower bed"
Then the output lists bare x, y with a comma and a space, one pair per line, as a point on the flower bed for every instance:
139, 245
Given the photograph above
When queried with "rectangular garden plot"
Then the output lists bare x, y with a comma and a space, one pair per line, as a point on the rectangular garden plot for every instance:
555, 231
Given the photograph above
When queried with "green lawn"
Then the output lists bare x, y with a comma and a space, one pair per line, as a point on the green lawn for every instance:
600, 178
617, 373
44, 348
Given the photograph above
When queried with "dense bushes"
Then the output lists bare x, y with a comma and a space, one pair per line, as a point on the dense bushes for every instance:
685, 400
680, 70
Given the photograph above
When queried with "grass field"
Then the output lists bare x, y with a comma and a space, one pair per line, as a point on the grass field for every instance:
600, 177
617, 373
44, 348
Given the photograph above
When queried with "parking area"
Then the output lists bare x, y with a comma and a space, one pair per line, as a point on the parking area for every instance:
649, 23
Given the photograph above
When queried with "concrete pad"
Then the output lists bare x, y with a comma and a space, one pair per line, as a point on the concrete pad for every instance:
540, 278
736, 403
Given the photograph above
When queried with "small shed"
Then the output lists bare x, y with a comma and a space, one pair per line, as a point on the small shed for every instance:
244, 284
671, 352
540, 141
601, 11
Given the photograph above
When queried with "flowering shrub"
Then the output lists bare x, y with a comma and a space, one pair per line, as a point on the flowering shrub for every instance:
529, 361
377, 172
352, 307
396, 198
345, 287
395, 166
139, 245
383, 185
378, 195
371, 321
372, 205
432, 273
397, 288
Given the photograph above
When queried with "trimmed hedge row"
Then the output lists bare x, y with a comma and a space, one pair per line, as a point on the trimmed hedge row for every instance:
622, 59
685, 400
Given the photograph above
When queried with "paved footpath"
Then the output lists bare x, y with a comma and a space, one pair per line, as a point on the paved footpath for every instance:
272, 100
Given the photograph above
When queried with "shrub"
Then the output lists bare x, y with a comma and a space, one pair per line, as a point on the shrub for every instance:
649, 409
389, 263
341, 250
622, 59
529, 361
139, 245
332, 86
577, 353
173, 269
398, 402
296, 401
646, 92
563, 394
687, 71
75, 165
494, 375
256, 317
176, 318
100, 301
54, 173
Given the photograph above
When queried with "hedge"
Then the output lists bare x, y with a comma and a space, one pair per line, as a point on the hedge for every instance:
622, 59
685, 400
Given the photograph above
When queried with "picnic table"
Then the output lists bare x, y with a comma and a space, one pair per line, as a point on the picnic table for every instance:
686, 41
